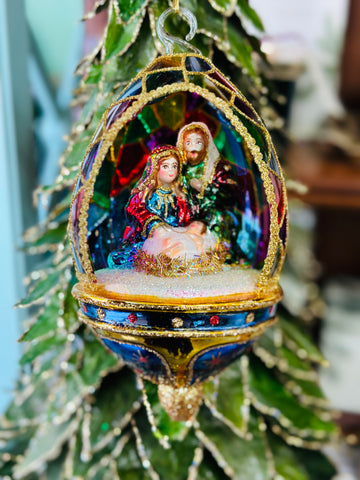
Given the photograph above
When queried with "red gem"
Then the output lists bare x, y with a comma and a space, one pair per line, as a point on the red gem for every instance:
132, 317
214, 320
85, 308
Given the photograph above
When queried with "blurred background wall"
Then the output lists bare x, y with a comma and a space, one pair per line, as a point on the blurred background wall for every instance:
40, 45
314, 47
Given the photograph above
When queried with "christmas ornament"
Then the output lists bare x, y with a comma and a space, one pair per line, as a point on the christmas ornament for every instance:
178, 225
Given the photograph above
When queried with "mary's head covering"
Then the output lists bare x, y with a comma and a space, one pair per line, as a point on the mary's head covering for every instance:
149, 176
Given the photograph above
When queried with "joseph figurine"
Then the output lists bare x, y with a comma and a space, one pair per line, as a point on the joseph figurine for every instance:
212, 185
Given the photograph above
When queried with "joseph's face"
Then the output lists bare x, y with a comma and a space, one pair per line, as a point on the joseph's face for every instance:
194, 147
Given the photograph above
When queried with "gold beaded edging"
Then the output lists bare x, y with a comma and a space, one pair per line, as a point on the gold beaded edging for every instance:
86, 294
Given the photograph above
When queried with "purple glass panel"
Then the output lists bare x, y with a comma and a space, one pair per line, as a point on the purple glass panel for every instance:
219, 90
132, 90
75, 213
195, 64
245, 109
284, 230
159, 79
116, 111
224, 81
263, 244
273, 164
192, 101
77, 260
98, 132
275, 265
78, 185
89, 160
162, 136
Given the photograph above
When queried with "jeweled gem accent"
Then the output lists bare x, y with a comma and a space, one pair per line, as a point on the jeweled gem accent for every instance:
250, 317
132, 317
177, 322
214, 320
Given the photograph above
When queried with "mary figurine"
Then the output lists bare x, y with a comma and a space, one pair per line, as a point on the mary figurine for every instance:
160, 236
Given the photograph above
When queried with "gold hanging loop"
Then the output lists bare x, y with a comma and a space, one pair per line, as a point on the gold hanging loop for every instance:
169, 40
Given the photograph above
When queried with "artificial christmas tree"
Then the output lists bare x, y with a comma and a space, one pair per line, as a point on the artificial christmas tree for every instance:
78, 412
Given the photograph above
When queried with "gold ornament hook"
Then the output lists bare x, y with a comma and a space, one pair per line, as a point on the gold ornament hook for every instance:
169, 40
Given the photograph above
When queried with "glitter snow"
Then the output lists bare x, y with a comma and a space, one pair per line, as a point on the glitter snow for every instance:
230, 281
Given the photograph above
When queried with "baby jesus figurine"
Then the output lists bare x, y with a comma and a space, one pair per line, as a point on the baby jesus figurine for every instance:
160, 237
186, 242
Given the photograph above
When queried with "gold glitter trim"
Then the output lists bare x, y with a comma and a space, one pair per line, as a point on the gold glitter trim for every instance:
226, 11
145, 461
283, 366
215, 452
180, 403
163, 266
295, 441
140, 14
118, 15
180, 373
97, 295
149, 220
224, 419
163, 439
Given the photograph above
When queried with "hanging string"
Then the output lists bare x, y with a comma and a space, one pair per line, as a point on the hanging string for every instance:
176, 6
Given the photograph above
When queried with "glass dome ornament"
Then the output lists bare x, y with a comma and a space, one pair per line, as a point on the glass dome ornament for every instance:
178, 225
